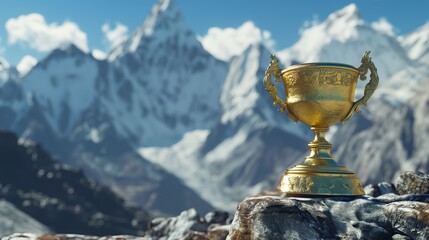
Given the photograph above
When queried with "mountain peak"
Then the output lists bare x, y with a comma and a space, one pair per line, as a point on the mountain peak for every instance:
164, 4
349, 12
66, 51
164, 13
342, 24
165, 20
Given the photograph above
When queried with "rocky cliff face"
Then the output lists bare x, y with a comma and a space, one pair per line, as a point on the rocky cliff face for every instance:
59, 197
386, 216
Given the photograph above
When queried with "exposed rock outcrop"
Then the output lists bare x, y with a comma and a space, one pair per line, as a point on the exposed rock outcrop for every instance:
385, 216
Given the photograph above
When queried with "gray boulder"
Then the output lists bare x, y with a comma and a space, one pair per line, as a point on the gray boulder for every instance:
384, 217
190, 225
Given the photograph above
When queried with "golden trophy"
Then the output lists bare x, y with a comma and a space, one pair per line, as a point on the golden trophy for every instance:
320, 95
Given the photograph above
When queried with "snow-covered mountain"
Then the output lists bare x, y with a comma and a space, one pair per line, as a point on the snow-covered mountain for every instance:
248, 148
91, 113
64, 85
168, 83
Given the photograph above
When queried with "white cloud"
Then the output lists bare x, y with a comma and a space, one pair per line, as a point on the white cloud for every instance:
228, 42
309, 23
99, 54
34, 31
115, 35
26, 64
383, 25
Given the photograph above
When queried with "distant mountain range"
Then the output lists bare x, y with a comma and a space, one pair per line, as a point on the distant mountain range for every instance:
93, 114
168, 126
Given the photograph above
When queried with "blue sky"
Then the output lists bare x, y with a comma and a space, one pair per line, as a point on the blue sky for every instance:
282, 18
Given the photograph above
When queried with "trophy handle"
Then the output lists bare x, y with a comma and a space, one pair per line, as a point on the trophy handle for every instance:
274, 70
366, 64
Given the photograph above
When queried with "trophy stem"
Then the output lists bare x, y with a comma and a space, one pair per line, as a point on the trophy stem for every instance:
320, 149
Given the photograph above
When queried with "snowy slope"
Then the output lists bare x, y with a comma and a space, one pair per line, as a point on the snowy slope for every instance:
12, 97
343, 37
402, 86
171, 84
385, 146
417, 44
64, 85
4, 70
12, 220
245, 152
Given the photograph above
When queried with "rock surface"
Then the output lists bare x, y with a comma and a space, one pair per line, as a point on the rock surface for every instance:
189, 225
381, 214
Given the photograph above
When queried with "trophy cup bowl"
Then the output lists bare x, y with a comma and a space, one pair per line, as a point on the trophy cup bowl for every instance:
320, 95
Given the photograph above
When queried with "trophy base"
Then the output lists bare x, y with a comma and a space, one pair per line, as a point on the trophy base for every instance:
307, 180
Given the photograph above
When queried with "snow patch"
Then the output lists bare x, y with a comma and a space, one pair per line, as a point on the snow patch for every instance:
4, 70
116, 35
382, 25
99, 54
13, 220
26, 64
